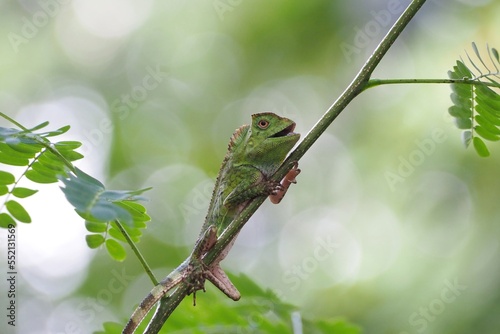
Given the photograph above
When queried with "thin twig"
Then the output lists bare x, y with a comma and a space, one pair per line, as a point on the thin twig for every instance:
466, 81
137, 252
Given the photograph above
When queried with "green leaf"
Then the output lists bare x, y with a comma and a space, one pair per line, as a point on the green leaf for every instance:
87, 178
8, 150
3, 190
463, 123
459, 112
462, 89
6, 178
67, 145
476, 51
50, 160
495, 54
115, 233
491, 128
133, 233
21, 192
486, 113
334, 326
19, 146
462, 101
39, 126
88, 217
13, 160
35, 176
8, 133
480, 147
6, 220
140, 224
57, 132
116, 250
81, 193
483, 90
44, 170
17, 211
71, 155
463, 70
51, 168
94, 240
96, 227
111, 328
107, 211
487, 96
134, 207
486, 134
466, 138
137, 211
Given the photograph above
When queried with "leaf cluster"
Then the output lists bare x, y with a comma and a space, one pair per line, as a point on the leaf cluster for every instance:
476, 106
43, 161
104, 212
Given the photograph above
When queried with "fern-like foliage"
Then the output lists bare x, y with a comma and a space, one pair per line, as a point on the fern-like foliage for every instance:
104, 211
42, 161
476, 102
111, 216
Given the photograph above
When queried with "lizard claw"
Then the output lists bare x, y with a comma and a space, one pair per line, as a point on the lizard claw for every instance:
275, 188
292, 173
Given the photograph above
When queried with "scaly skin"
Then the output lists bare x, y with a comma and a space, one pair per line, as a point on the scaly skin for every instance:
255, 152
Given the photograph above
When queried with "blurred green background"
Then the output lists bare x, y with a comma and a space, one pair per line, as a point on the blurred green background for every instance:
393, 224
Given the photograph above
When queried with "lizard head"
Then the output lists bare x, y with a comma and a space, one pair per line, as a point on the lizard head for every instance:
269, 139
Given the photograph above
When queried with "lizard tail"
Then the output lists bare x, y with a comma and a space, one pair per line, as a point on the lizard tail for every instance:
151, 299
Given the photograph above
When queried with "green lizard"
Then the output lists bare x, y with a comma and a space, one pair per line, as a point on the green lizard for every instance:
254, 154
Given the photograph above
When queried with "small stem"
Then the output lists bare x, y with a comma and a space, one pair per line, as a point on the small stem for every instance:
466, 81
58, 154
358, 84
137, 252
13, 121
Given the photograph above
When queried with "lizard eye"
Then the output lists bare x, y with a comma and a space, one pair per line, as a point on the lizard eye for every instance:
263, 124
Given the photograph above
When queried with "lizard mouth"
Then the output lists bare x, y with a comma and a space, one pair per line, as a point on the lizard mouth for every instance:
285, 132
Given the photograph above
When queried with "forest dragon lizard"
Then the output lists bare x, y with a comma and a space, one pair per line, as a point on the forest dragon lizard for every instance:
254, 154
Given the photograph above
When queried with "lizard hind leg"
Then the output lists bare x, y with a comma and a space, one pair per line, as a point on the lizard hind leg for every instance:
219, 278
198, 272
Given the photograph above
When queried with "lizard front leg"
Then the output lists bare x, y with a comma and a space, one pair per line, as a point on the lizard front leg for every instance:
256, 184
289, 178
